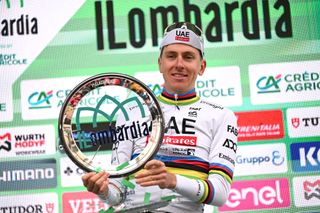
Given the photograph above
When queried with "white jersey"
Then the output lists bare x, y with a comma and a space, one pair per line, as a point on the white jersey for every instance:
199, 146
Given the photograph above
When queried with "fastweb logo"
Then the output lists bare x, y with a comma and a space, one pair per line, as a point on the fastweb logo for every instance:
9, 2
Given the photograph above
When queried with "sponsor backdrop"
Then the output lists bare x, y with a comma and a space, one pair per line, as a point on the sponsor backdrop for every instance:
263, 61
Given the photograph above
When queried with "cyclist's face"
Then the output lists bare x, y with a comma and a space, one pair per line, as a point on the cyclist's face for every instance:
180, 65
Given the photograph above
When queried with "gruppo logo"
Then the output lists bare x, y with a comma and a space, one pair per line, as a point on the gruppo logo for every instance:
40, 100
305, 156
284, 82
306, 191
266, 159
258, 194
269, 84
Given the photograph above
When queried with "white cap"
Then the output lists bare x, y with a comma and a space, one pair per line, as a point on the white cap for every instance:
183, 36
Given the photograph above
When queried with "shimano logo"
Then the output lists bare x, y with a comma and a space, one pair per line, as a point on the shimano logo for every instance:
28, 174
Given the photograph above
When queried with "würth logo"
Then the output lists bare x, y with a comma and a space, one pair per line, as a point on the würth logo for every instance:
5, 142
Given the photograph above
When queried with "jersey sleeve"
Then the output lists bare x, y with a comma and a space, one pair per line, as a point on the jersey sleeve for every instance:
215, 189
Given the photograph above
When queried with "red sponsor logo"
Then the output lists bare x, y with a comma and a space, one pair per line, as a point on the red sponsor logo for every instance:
311, 189
295, 122
25, 144
258, 194
180, 140
180, 38
7, 135
50, 207
82, 202
260, 125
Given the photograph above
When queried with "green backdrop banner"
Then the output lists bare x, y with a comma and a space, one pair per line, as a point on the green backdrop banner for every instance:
263, 62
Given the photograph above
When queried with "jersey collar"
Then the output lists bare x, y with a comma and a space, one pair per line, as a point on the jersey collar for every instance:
178, 99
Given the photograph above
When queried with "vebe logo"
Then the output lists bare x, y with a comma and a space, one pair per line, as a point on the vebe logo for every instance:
266, 159
75, 202
40, 100
28, 174
303, 122
258, 194
305, 156
269, 84
5, 142
306, 191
